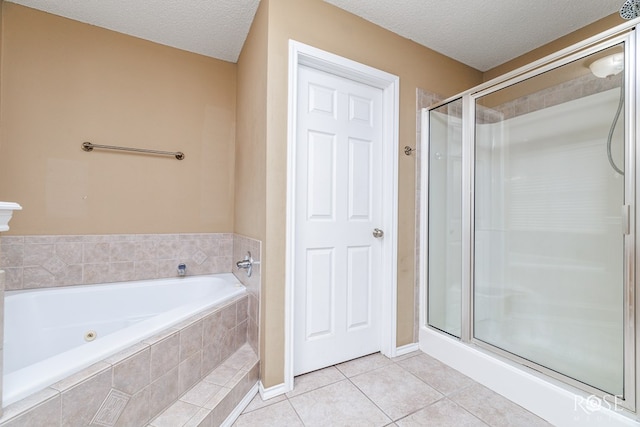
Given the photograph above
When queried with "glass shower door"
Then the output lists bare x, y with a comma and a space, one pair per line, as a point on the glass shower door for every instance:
445, 218
549, 218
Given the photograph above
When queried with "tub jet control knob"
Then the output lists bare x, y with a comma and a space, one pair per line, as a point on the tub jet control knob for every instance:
90, 336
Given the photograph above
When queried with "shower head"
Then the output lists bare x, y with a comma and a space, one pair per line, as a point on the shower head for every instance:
630, 9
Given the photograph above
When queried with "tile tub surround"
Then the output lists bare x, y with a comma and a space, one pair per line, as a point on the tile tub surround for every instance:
210, 402
48, 261
135, 385
242, 245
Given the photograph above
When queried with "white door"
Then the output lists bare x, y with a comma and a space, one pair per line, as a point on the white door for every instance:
338, 266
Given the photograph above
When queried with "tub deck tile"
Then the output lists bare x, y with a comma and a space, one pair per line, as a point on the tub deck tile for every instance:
126, 353
216, 395
36, 400
83, 375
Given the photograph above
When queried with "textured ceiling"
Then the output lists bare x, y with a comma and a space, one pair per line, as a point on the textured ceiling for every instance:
216, 28
479, 33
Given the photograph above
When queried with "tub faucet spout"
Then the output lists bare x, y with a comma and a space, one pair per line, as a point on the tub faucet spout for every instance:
182, 269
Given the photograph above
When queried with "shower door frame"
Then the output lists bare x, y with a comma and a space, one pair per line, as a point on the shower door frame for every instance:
622, 34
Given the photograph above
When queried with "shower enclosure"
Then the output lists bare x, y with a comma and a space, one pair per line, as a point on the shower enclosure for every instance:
529, 252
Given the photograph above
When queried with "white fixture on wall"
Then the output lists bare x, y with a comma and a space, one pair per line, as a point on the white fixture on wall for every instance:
6, 211
608, 66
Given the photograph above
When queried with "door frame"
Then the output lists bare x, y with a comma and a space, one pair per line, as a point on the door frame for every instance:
302, 54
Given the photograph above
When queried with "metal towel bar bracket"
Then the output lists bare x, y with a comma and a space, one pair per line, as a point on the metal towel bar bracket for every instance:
88, 146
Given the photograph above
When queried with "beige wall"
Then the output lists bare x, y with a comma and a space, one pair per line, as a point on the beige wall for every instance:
324, 26
64, 82
250, 159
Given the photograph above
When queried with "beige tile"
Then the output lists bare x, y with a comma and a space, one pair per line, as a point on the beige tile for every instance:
132, 374
241, 334
395, 391
164, 356
242, 308
243, 358
126, 353
221, 375
14, 278
280, 414
363, 364
224, 407
211, 358
27, 403
81, 402
190, 340
229, 316
83, 375
202, 418
145, 269
136, 413
145, 250
95, 273
227, 344
176, 415
12, 255
494, 409
162, 392
314, 380
435, 373
213, 329
37, 277
443, 413
46, 414
339, 404
37, 254
122, 251
217, 398
69, 252
201, 393
189, 372
95, 252
70, 275
257, 402
121, 271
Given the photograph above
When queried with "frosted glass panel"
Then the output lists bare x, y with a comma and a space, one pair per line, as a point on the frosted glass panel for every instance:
548, 254
445, 218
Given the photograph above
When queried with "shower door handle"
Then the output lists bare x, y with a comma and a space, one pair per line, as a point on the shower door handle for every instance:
377, 233
626, 219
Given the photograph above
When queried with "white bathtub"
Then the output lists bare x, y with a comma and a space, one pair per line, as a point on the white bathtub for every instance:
44, 332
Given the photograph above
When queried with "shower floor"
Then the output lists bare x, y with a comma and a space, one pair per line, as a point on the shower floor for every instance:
411, 390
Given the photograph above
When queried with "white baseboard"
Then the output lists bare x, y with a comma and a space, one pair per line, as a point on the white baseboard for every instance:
406, 349
276, 390
233, 416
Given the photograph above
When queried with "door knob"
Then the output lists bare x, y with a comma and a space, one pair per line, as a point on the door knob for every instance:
377, 233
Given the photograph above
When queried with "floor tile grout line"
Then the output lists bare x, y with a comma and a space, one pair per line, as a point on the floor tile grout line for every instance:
295, 411
371, 400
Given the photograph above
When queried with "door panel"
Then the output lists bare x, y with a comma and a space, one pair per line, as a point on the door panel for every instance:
338, 204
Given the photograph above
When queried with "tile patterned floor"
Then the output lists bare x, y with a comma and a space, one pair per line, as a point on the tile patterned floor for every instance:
411, 390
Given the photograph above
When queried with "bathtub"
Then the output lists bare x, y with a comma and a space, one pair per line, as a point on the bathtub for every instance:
52, 333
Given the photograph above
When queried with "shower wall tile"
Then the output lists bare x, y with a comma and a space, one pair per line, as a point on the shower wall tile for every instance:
49, 261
